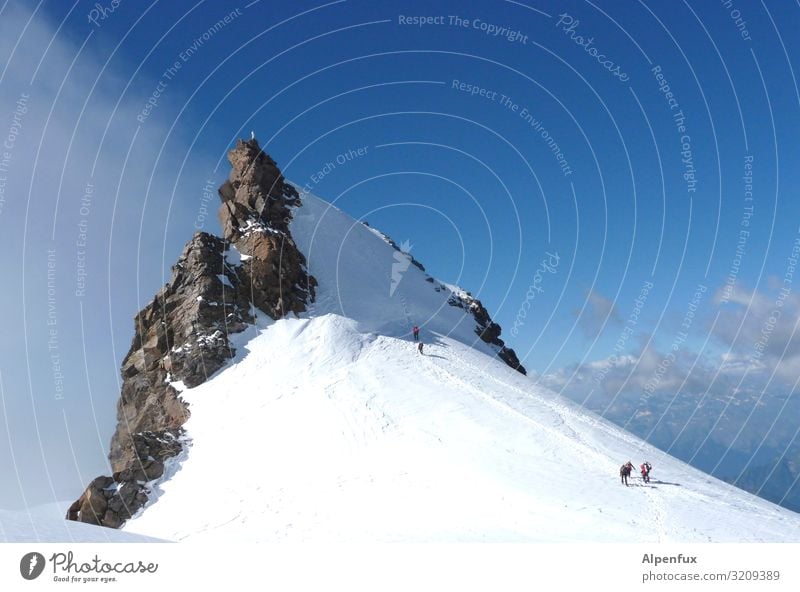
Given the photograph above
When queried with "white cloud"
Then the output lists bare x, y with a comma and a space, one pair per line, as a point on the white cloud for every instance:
599, 312
60, 444
683, 397
760, 331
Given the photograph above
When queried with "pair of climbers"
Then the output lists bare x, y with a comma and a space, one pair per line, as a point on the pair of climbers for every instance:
626, 469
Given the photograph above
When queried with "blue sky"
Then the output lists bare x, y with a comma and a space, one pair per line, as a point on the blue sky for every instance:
598, 173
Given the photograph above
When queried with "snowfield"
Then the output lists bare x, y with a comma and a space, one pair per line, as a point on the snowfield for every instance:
333, 428
46, 524
323, 433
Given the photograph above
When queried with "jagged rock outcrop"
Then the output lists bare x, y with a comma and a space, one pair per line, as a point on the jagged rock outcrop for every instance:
183, 335
486, 329
255, 216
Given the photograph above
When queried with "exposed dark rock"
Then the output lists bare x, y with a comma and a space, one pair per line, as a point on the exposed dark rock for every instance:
255, 215
486, 329
183, 334
255, 191
91, 506
509, 356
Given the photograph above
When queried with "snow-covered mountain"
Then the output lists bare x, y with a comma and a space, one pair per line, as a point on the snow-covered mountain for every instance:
327, 424
332, 427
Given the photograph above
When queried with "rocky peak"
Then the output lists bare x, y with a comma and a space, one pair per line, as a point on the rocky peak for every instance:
255, 196
182, 336
255, 213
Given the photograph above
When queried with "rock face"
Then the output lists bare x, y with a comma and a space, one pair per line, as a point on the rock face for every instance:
486, 329
182, 336
255, 216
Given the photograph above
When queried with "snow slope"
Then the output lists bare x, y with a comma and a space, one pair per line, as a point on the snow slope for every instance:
47, 524
333, 428
362, 278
